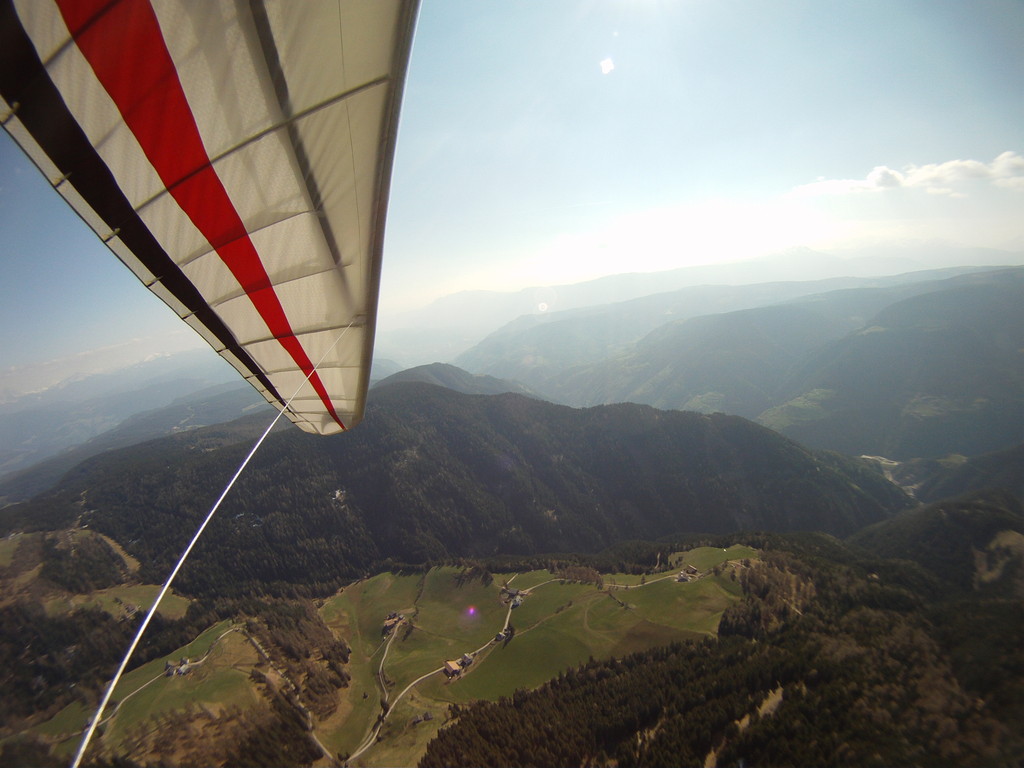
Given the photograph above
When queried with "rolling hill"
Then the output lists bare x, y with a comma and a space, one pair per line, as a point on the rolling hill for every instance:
927, 376
539, 349
451, 377
918, 369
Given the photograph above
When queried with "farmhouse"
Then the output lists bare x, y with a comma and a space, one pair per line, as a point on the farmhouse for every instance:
393, 620
515, 595
183, 667
452, 669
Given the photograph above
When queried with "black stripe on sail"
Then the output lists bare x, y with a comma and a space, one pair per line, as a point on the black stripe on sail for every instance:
24, 83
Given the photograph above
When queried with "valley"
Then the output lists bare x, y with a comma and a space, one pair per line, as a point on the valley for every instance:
919, 365
511, 385
476, 567
398, 692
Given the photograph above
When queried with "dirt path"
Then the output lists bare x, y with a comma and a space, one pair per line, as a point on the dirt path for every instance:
371, 737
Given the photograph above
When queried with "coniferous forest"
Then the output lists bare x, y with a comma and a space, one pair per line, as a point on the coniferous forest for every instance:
834, 657
890, 639
435, 474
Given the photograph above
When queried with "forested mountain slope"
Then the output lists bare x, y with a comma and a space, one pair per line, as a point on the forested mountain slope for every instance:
974, 542
935, 479
539, 349
451, 377
215, 405
835, 656
917, 370
931, 375
434, 474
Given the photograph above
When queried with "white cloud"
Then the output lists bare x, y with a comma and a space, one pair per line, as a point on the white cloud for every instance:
1008, 169
885, 177
683, 234
947, 178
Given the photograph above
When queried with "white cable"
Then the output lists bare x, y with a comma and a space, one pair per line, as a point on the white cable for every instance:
181, 561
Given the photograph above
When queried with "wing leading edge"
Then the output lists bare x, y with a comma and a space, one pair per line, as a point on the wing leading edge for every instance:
237, 158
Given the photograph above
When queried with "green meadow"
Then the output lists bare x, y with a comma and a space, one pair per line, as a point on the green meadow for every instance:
559, 625
146, 692
8, 546
214, 683
115, 599
705, 558
357, 615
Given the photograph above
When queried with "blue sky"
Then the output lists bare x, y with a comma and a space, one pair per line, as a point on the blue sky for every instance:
725, 129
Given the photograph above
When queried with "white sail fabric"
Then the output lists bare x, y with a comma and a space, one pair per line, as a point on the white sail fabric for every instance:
237, 157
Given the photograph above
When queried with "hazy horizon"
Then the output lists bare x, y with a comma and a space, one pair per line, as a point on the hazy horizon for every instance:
552, 144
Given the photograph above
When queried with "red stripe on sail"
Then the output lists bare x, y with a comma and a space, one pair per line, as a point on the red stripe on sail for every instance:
124, 45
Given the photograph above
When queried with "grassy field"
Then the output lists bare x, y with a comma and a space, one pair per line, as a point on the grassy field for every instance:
525, 580
805, 408
450, 620
406, 733
223, 681
356, 614
559, 625
116, 601
8, 546
705, 558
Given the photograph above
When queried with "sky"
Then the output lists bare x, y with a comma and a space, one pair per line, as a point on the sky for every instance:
548, 143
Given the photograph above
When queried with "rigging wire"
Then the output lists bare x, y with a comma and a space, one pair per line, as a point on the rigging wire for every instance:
94, 722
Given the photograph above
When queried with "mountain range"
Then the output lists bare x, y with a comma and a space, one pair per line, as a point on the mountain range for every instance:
452, 324
537, 347
914, 368
433, 474
38, 425
760, 350
897, 645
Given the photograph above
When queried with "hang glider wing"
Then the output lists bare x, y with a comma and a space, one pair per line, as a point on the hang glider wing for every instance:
236, 157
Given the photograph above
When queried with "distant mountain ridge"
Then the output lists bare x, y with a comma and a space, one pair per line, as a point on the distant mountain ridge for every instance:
945, 376
456, 379
454, 323
215, 405
538, 348
927, 376
548, 352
